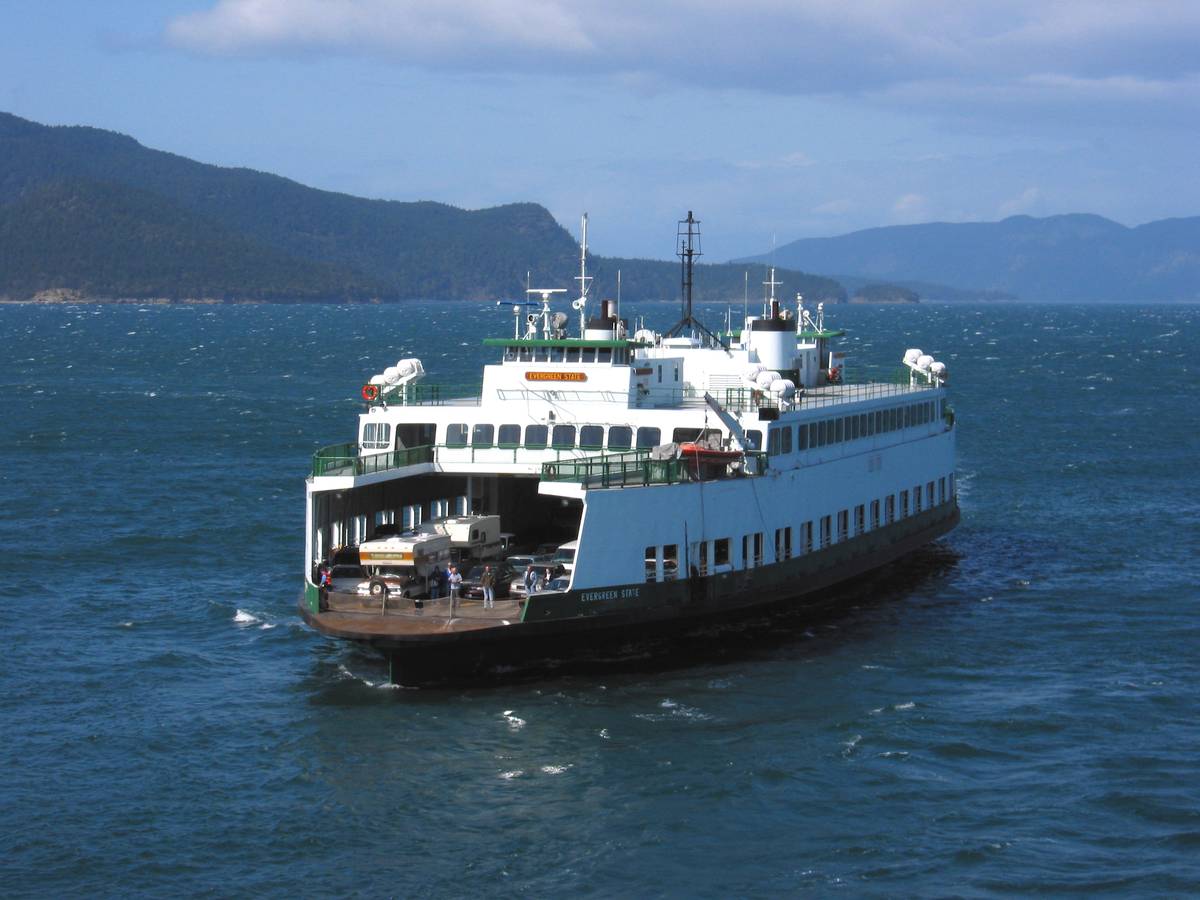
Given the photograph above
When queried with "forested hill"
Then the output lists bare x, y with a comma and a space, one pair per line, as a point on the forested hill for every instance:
1060, 258
95, 212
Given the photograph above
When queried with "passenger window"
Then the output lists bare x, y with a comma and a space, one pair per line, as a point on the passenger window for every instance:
773, 442
556, 354
535, 436
482, 435
604, 355
510, 435
754, 439
456, 435
572, 354
802, 438
620, 437
541, 354
591, 437
648, 437
564, 437
785, 440
587, 354
526, 354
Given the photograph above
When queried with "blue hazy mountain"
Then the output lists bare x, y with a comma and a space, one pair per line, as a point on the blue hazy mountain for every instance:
1068, 257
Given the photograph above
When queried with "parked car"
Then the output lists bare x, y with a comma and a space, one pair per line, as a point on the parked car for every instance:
559, 584
546, 572
346, 578
521, 560
398, 581
565, 555
504, 575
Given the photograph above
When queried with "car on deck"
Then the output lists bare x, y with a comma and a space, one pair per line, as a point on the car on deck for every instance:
472, 588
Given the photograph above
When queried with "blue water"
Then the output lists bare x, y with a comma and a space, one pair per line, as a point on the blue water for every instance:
1012, 712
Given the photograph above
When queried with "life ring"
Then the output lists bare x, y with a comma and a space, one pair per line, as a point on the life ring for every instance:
370, 392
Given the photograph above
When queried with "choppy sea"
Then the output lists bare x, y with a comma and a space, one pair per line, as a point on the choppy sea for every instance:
1014, 711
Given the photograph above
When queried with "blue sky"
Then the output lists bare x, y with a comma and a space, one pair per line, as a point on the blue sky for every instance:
772, 120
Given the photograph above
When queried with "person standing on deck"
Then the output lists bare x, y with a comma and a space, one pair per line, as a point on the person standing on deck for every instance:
530, 579
487, 581
455, 580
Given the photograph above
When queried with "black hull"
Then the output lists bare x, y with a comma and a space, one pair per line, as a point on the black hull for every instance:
678, 613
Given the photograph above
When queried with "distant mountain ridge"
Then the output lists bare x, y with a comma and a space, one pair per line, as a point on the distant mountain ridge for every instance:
94, 212
1059, 258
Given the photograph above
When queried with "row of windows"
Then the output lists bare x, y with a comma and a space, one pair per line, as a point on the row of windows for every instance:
560, 437
709, 557
785, 438
602, 355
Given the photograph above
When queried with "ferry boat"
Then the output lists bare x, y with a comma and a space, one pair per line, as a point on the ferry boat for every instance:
692, 476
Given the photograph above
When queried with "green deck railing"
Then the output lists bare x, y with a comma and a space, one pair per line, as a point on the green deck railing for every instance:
422, 393
344, 459
635, 468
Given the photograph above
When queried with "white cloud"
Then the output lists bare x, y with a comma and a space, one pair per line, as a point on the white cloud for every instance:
780, 46
911, 208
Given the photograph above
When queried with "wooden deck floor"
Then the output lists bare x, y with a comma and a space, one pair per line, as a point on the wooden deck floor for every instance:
363, 616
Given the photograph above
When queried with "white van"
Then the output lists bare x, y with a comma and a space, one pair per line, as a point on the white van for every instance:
565, 555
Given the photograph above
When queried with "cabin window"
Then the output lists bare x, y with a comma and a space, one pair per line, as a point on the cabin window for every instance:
841, 431
604, 355
591, 437
721, 552
483, 435
826, 531
929, 495
860, 519
456, 435
874, 514
535, 436
852, 428
670, 562
806, 537
587, 354
785, 440
942, 489
417, 434
526, 354
843, 525
572, 354
904, 504
556, 354
802, 438
564, 437
754, 439
783, 543
745, 551
541, 354
916, 498
376, 436
510, 354
651, 557
660, 374
510, 436
889, 509
649, 437
620, 437
773, 442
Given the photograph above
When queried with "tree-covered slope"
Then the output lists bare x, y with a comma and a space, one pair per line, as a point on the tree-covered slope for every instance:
209, 230
113, 241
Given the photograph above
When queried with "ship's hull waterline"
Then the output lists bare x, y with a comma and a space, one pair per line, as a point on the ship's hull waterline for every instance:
619, 620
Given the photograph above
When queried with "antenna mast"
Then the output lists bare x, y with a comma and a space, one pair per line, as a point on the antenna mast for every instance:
689, 248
